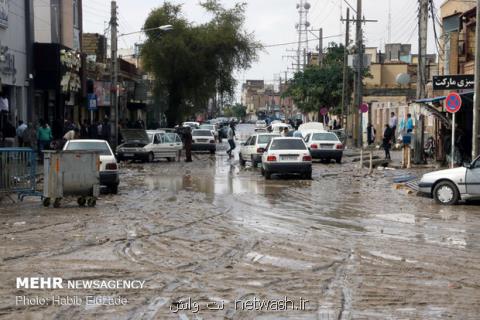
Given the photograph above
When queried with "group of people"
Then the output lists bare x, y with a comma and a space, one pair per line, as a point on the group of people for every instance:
390, 130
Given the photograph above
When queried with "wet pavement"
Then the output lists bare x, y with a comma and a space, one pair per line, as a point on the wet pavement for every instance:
211, 232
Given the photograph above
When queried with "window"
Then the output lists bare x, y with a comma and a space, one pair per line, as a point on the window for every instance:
101, 147
253, 140
288, 144
169, 138
324, 137
157, 139
202, 133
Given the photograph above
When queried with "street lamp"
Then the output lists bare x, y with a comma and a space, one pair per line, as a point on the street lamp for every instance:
115, 37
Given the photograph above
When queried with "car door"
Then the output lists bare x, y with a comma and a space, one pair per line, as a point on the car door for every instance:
251, 147
473, 178
244, 149
178, 142
157, 145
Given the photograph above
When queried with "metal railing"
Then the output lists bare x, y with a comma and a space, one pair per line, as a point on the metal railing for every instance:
18, 172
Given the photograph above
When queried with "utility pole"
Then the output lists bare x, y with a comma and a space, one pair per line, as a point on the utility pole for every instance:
476, 107
114, 72
422, 48
345, 75
359, 83
320, 47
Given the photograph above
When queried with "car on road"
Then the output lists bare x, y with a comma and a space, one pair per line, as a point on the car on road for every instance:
210, 127
254, 147
149, 145
191, 124
109, 176
260, 124
203, 140
449, 186
279, 127
324, 145
287, 156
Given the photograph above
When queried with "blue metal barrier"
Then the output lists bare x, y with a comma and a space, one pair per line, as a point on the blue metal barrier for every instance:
18, 169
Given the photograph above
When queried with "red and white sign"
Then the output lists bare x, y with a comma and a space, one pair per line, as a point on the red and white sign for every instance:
364, 108
324, 111
453, 103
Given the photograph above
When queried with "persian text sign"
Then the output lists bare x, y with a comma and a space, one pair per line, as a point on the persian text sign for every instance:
457, 82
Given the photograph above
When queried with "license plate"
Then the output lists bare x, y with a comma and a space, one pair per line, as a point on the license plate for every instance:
128, 155
202, 140
326, 146
289, 157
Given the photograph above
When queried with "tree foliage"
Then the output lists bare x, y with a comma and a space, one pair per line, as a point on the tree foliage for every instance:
321, 86
192, 63
237, 110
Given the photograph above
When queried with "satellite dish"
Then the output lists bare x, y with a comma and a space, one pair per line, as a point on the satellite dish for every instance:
298, 6
307, 24
403, 78
307, 6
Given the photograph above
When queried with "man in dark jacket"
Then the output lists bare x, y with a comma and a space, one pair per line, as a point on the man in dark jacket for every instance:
387, 140
188, 144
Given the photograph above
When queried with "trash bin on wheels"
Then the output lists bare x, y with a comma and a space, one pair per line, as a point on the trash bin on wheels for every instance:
71, 173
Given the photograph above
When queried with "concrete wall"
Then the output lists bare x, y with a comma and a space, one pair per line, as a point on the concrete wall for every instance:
384, 75
42, 21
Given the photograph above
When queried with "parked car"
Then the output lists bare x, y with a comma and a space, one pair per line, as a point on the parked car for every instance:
203, 140
324, 145
304, 128
287, 156
149, 145
254, 147
279, 127
108, 164
449, 186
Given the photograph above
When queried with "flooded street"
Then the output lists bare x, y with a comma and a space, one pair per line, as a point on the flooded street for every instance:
347, 244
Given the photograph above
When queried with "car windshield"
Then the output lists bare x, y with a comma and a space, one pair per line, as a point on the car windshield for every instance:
201, 133
264, 139
101, 147
324, 137
288, 144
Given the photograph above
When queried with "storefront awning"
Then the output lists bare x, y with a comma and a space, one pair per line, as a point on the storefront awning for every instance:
428, 104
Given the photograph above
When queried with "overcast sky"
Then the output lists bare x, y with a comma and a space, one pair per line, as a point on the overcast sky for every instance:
273, 22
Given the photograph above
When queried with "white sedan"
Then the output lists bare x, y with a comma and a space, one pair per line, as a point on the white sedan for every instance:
287, 156
108, 164
324, 145
254, 147
203, 140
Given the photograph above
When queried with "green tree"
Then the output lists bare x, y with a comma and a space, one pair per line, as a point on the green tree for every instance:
321, 86
192, 63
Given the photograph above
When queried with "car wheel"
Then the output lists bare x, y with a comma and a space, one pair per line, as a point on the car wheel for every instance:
212, 151
151, 157
268, 175
308, 175
254, 163
339, 160
446, 193
241, 160
262, 171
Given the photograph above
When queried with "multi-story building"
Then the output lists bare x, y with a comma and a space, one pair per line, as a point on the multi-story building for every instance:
15, 54
59, 89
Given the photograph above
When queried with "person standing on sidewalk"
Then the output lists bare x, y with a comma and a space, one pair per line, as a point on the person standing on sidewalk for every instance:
44, 136
387, 141
371, 134
231, 139
20, 132
393, 122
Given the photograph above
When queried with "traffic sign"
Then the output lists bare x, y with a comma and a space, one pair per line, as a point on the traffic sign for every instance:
324, 111
453, 103
92, 102
364, 108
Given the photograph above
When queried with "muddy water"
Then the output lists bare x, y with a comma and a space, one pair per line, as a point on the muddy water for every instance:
210, 231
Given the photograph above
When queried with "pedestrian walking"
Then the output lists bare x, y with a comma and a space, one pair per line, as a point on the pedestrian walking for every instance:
20, 132
84, 129
72, 134
393, 122
231, 139
188, 144
44, 136
387, 141
371, 134
30, 137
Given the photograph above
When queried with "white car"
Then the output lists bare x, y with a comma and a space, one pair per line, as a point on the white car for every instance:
260, 124
287, 156
254, 147
279, 127
203, 140
210, 127
149, 145
191, 124
324, 145
108, 164
449, 186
